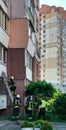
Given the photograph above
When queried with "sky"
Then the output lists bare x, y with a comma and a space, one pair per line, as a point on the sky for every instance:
57, 3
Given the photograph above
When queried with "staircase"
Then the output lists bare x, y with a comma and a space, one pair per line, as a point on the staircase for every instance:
7, 87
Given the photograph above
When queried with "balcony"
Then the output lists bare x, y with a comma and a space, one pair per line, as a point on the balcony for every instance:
3, 5
30, 10
4, 38
30, 15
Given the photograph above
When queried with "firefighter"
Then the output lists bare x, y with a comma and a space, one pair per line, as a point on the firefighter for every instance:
26, 103
12, 85
16, 107
30, 107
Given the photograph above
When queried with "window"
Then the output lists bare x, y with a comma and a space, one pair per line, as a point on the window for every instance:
0, 16
44, 51
44, 36
3, 54
43, 56
28, 60
44, 26
44, 41
4, 21
44, 45
44, 21
44, 31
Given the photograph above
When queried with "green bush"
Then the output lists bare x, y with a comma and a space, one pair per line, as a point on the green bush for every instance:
59, 106
40, 88
47, 126
43, 125
39, 123
27, 124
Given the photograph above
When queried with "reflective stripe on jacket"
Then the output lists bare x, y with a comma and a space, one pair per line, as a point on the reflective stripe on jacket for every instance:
30, 105
17, 103
43, 105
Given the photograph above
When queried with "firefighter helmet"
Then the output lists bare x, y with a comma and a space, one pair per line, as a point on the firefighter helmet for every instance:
12, 77
18, 96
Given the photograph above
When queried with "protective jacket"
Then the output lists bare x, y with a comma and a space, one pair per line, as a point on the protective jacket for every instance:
30, 105
17, 102
43, 104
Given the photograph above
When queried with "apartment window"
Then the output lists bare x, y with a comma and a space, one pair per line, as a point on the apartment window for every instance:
4, 21
0, 16
44, 31
44, 21
3, 54
44, 41
43, 56
44, 36
44, 51
44, 26
44, 45
28, 60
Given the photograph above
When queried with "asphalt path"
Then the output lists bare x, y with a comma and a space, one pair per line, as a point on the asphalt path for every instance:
13, 125
59, 125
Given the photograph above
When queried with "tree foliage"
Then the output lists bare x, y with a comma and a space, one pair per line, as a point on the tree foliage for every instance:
59, 106
40, 88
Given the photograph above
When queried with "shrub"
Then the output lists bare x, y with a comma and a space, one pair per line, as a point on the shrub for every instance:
47, 126
40, 87
43, 125
59, 106
39, 123
27, 124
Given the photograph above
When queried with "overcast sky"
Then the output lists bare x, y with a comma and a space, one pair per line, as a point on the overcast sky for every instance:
57, 3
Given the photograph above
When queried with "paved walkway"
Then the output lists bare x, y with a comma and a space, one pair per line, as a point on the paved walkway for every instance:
59, 125
12, 125
9, 125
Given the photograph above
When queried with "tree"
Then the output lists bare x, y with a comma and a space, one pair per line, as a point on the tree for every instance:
40, 88
59, 106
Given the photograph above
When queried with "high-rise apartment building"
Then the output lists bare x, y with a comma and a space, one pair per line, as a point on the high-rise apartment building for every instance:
4, 40
52, 44
23, 42
18, 45
4, 37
